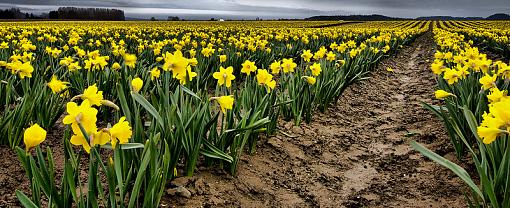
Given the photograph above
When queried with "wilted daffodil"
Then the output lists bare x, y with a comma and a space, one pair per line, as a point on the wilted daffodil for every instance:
224, 76
33, 136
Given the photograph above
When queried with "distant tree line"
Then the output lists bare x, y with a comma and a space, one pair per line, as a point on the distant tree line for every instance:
373, 17
87, 14
15, 13
376, 17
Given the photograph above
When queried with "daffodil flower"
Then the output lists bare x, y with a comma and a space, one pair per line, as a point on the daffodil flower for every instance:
225, 76
33, 136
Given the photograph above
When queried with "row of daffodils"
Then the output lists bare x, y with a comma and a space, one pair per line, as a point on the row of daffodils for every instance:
144, 102
475, 109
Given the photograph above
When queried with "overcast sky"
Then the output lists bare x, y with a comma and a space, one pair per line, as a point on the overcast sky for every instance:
237, 9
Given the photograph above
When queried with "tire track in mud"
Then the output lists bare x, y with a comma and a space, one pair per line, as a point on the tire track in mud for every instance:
355, 155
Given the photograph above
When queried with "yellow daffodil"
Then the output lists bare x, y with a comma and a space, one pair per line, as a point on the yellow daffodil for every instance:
223, 58
56, 85
120, 132
496, 95
115, 66
316, 69
248, 67
288, 65
176, 63
225, 102
79, 140
100, 137
441, 94
451, 76
33, 136
331, 56
92, 94
310, 80
155, 73
189, 75
307, 55
137, 84
496, 122
224, 76
488, 81
83, 114
275, 67
265, 78
130, 60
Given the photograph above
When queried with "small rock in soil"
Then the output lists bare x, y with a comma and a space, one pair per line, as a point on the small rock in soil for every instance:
181, 181
179, 191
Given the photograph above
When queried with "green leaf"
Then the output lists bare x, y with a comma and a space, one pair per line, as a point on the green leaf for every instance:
213, 152
186, 90
126, 146
459, 171
24, 200
145, 104
140, 177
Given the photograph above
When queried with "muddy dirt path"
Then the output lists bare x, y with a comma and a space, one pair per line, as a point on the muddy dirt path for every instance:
355, 155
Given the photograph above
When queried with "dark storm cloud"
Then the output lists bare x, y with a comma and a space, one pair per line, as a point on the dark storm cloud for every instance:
278, 8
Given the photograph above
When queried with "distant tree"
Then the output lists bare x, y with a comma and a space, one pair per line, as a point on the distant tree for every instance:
153, 19
173, 18
212, 19
87, 14
12, 13
499, 16
53, 15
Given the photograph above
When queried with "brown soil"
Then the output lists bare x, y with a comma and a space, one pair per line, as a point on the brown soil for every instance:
355, 155
12, 173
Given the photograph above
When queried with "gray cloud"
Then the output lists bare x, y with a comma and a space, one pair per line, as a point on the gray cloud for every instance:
276, 8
